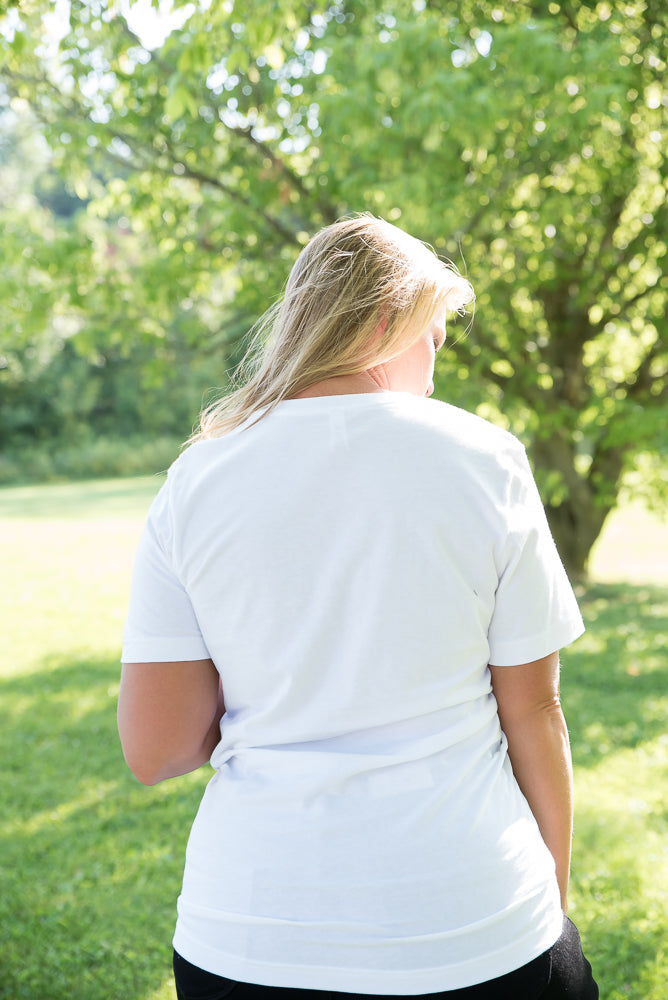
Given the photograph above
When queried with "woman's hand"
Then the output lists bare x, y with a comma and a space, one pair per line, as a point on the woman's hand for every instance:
169, 717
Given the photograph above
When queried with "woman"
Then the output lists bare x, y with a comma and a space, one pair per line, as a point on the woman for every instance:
347, 597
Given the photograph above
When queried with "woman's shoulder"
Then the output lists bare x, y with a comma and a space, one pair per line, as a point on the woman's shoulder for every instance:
188, 468
199, 454
462, 426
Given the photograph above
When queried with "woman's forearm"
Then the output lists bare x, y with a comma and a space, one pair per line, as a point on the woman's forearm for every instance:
527, 698
539, 752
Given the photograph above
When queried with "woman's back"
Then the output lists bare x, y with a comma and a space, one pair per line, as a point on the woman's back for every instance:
352, 564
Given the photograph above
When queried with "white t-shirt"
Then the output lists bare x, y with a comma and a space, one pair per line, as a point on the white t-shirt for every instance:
352, 564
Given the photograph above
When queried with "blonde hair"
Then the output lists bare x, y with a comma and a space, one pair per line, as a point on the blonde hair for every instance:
356, 279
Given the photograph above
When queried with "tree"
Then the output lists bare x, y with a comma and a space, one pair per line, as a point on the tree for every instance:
80, 355
528, 138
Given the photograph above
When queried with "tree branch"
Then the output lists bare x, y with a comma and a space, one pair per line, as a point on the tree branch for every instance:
77, 111
328, 211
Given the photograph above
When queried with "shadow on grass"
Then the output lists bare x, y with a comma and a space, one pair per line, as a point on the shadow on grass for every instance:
614, 678
91, 860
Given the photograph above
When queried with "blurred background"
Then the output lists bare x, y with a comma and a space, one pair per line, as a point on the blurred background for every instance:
161, 166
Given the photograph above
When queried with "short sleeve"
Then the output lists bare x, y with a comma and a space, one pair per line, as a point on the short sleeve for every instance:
161, 625
535, 610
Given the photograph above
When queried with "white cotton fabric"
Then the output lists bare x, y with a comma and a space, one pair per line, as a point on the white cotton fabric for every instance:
352, 564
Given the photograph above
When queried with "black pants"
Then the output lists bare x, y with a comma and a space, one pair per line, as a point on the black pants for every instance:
562, 973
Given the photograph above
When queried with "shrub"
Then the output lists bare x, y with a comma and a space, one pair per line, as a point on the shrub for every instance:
94, 458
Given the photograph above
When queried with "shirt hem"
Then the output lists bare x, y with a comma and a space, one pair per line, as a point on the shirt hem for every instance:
387, 982
511, 653
169, 650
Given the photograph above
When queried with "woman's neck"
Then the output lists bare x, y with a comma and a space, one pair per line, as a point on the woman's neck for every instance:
340, 385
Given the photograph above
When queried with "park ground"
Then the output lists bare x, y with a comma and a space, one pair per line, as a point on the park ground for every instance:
92, 860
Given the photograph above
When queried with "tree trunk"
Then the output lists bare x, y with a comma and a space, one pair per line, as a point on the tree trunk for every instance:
575, 527
576, 521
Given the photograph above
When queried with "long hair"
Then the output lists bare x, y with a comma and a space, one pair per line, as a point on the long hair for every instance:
360, 293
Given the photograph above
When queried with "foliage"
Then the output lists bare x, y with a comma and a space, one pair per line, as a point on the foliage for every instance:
92, 861
92, 457
527, 137
82, 360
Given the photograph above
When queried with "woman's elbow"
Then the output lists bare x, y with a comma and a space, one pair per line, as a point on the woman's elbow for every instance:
144, 757
147, 772
148, 778
151, 765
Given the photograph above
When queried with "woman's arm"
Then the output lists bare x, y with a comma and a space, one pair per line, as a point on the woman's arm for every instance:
527, 696
168, 717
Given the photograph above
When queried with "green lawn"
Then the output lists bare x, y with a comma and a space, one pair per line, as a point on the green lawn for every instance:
91, 860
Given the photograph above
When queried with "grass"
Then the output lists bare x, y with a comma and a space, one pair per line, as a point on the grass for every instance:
92, 861
616, 702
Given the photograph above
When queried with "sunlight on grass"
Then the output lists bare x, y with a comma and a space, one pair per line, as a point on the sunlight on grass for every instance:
616, 701
69, 586
633, 546
164, 992
620, 883
98, 499
92, 861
